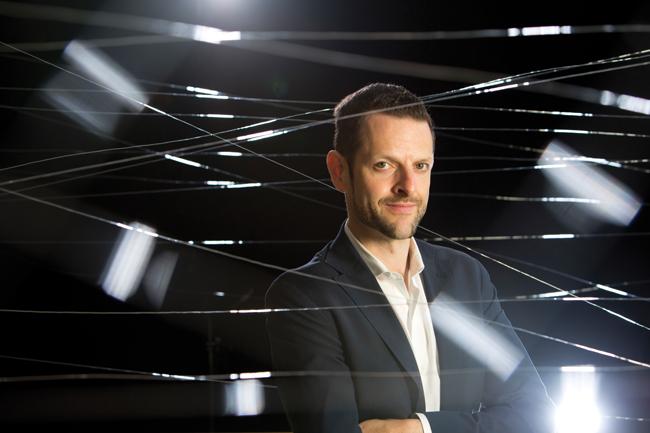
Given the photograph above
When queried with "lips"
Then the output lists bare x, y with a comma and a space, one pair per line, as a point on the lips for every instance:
402, 207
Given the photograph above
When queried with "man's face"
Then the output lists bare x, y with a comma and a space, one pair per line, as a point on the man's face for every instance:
389, 184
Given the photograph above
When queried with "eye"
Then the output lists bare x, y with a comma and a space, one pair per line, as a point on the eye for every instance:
381, 165
422, 165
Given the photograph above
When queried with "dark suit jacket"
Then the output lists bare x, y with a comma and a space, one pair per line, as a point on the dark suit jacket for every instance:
356, 361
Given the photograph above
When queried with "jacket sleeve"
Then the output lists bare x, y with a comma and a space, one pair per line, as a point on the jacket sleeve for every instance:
315, 384
517, 405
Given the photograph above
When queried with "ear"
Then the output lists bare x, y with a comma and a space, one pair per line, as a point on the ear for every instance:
338, 169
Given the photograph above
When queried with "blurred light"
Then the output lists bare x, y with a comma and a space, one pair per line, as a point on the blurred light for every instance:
470, 333
261, 135
202, 90
212, 96
540, 31
213, 35
612, 290
244, 397
244, 185
229, 153
219, 294
100, 68
219, 182
222, 242
218, 116
159, 274
559, 236
255, 375
625, 102
578, 369
577, 411
182, 160
618, 205
128, 262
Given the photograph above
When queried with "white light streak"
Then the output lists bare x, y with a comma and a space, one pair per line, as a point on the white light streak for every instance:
182, 160
219, 116
202, 90
244, 185
100, 68
224, 97
213, 35
229, 153
612, 290
478, 341
219, 294
222, 242
559, 236
255, 375
496, 89
572, 131
128, 262
545, 166
625, 102
219, 182
260, 135
618, 205
578, 369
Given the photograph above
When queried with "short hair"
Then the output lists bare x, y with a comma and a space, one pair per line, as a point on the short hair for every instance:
378, 97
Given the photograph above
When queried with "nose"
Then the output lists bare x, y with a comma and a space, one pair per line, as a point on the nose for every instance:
404, 183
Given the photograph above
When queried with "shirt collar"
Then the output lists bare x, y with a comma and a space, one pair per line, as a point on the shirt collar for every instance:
377, 268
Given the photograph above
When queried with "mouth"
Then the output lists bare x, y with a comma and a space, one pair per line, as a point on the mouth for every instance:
402, 207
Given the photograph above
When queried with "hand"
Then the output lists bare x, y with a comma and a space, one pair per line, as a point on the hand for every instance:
391, 426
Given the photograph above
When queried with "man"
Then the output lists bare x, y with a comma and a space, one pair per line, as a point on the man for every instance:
359, 349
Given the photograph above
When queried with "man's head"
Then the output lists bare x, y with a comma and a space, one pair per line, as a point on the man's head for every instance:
376, 97
382, 160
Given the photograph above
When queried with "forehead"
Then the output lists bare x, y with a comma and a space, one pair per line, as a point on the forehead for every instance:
398, 136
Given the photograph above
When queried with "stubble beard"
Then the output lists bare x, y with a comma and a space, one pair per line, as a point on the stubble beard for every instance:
370, 216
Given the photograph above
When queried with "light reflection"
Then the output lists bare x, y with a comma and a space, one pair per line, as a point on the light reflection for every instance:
159, 274
182, 160
244, 397
469, 333
128, 262
100, 68
617, 204
578, 411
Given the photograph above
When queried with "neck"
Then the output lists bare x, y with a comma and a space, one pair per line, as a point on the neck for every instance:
392, 252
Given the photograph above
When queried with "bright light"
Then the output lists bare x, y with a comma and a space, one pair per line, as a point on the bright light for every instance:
578, 411
261, 135
213, 35
98, 66
182, 160
221, 242
468, 332
219, 182
244, 185
128, 261
202, 90
559, 236
229, 153
617, 203
244, 397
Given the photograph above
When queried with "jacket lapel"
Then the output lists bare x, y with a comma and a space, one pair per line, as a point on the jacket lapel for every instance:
353, 271
451, 357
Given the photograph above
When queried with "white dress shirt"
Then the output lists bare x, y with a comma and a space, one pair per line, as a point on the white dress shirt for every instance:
411, 308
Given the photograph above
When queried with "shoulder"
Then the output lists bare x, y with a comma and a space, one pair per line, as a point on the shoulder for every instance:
445, 257
304, 281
